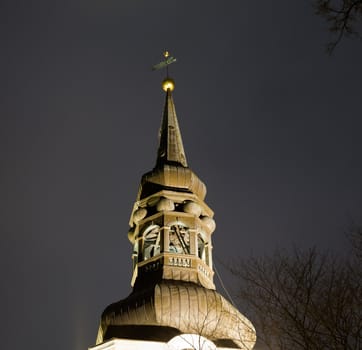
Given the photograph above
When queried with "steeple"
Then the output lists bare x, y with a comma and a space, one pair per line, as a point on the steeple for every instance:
170, 149
170, 222
174, 298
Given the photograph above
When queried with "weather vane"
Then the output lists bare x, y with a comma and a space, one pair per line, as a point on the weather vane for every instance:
168, 60
168, 83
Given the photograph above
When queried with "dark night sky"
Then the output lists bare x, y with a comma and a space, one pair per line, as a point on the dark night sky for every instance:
270, 123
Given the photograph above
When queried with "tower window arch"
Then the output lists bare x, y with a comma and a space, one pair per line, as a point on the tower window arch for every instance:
179, 239
151, 242
202, 248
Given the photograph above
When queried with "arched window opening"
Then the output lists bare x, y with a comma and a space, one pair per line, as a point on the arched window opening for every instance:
179, 239
135, 254
202, 249
151, 242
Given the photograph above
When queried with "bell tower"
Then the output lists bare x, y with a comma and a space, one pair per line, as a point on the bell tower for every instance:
171, 225
174, 304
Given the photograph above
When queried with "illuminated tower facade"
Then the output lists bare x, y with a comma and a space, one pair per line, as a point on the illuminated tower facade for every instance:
174, 304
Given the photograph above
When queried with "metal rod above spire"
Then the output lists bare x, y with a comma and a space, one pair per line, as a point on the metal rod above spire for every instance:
170, 150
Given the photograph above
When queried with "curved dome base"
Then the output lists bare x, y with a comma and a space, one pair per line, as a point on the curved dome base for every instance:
174, 307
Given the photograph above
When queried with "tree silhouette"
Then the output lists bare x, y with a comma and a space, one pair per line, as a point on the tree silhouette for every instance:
343, 17
304, 300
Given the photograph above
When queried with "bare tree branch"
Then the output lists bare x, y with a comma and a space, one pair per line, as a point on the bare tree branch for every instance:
302, 300
342, 17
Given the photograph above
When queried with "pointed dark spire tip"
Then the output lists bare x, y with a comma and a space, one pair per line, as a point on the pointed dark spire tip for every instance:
170, 150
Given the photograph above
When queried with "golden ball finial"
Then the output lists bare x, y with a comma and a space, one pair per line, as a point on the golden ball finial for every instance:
168, 84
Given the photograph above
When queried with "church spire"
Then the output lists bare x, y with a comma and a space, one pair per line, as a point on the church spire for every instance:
170, 149
174, 297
